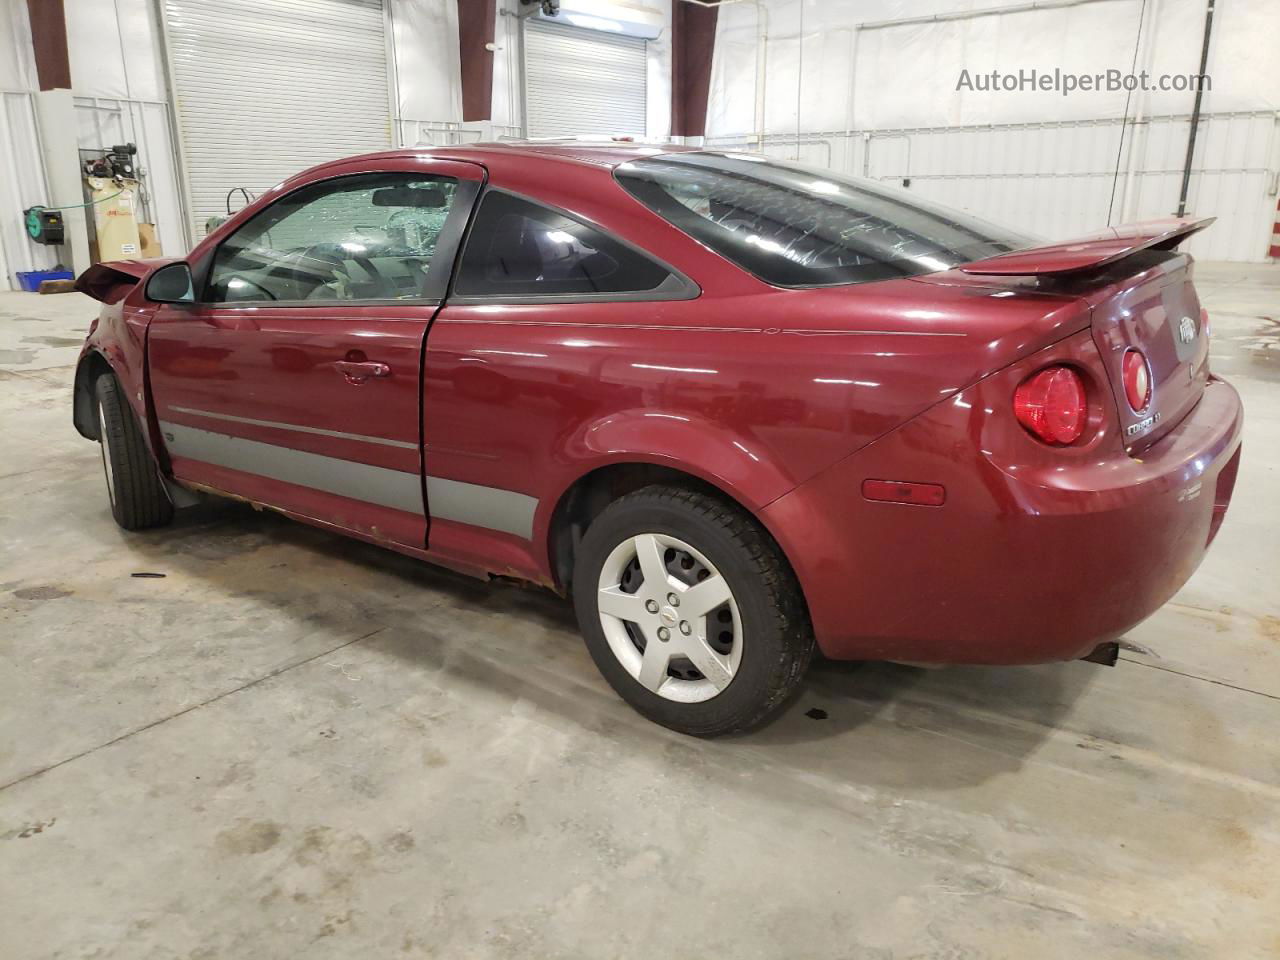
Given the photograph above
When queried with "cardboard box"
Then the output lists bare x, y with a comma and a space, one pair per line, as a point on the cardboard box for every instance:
150, 244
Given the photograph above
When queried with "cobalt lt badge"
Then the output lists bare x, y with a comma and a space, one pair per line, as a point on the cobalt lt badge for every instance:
1187, 330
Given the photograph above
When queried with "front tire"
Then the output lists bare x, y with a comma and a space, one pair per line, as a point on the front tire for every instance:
690, 611
134, 488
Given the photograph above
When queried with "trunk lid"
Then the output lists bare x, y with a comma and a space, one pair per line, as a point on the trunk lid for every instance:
1157, 312
1141, 297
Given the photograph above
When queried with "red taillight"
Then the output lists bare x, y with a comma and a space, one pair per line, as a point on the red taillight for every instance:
1137, 380
1051, 404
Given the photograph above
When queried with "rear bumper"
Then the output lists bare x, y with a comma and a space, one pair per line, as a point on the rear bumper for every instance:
1033, 557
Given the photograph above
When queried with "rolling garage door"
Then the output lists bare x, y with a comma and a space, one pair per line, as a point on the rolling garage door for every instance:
582, 82
264, 90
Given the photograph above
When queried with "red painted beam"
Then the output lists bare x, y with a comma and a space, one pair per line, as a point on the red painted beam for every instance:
1274, 251
476, 22
693, 39
49, 40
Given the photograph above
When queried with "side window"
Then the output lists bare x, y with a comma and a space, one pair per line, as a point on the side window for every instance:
518, 248
367, 237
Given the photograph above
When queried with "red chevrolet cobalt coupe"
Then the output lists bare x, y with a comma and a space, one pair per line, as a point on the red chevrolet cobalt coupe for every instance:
734, 407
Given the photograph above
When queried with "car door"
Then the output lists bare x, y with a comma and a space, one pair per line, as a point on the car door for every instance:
544, 326
295, 379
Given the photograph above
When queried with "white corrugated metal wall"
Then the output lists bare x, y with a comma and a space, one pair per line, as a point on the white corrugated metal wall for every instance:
1059, 180
118, 76
881, 102
843, 88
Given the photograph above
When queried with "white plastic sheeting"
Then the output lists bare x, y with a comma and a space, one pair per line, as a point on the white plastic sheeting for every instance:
426, 59
22, 186
23, 183
17, 62
658, 121
114, 49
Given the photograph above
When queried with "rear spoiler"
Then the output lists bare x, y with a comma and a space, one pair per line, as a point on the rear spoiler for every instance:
1093, 251
111, 282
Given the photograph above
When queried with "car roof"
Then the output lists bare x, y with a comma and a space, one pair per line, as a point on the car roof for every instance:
604, 153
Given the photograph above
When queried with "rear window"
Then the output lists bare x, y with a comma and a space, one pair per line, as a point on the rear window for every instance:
795, 226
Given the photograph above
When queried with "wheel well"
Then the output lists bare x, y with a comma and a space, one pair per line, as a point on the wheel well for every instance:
90, 369
591, 493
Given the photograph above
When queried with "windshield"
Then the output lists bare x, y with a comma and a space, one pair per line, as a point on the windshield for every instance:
796, 226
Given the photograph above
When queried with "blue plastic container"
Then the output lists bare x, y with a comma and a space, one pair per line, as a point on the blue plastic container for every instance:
30, 280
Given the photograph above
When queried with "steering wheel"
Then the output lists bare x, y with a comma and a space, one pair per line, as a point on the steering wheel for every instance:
325, 253
249, 283
365, 264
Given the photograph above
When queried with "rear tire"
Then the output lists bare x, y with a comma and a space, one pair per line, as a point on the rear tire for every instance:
728, 654
134, 488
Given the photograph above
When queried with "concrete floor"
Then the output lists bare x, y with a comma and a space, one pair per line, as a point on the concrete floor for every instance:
294, 743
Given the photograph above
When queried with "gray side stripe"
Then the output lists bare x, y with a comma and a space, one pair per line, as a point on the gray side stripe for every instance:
488, 507
471, 503
360, 481
298, 428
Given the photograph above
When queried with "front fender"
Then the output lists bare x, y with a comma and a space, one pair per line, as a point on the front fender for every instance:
88, 368
117, 342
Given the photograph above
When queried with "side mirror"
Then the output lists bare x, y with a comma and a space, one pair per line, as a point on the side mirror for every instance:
171, 284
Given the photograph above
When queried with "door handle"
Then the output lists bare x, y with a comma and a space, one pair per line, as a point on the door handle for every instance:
358, 371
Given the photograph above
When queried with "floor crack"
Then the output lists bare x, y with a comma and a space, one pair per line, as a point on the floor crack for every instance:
1192, 676
275, 672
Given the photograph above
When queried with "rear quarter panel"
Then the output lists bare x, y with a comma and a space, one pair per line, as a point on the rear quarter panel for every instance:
753, 388
529, 398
